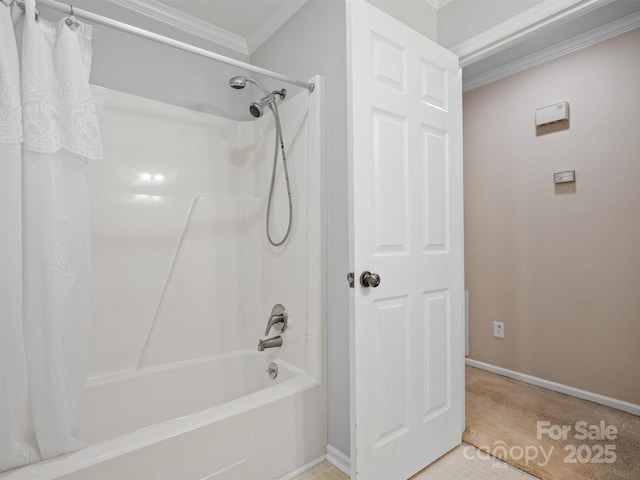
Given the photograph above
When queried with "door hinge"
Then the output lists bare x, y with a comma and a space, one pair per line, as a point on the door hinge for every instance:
351, 279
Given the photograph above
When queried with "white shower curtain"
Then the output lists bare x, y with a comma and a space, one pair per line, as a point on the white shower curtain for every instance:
48, 131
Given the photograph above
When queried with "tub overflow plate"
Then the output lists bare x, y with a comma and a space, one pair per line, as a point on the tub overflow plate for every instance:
272, 370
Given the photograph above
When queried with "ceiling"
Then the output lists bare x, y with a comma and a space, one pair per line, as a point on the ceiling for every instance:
239, 25
511, 39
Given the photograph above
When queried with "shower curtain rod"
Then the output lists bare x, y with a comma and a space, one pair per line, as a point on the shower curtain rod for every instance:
124, 27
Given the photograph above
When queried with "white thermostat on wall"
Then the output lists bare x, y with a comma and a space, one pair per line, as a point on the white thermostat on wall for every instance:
552, 114
564, 177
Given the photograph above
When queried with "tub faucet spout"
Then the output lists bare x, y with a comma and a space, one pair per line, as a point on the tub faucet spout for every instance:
269, 343
278, 315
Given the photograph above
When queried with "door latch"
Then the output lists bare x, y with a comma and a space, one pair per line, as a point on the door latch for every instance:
351, 279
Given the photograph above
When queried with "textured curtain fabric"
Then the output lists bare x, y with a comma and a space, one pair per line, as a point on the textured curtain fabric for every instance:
17, 442
48, 131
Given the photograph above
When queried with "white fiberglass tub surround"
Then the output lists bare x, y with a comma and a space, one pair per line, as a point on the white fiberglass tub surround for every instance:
183, 284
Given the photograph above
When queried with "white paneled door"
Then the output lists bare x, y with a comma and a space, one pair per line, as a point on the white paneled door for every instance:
407, 333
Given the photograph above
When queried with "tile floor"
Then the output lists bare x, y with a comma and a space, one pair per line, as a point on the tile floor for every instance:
323, 471
462, 463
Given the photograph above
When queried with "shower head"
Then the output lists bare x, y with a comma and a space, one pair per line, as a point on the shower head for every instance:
257, 108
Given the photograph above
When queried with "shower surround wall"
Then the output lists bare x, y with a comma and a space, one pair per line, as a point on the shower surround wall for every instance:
171, 211
181, 260
183, 285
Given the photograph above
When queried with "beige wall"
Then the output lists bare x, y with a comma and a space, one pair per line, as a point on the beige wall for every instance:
559, 266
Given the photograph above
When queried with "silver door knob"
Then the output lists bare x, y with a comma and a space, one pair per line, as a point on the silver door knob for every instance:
368, 279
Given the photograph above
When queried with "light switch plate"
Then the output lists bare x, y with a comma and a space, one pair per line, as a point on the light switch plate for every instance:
564, 177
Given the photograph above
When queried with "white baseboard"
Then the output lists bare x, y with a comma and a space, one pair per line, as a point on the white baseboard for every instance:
339, 460
334, 456
558, 387
300, 470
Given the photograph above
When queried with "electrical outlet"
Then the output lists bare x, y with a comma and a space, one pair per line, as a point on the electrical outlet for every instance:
498, 329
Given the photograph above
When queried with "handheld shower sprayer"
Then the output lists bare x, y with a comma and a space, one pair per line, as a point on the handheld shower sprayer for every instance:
240, 82
257, 109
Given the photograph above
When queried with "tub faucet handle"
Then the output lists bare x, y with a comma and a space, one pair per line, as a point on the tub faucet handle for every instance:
278, 315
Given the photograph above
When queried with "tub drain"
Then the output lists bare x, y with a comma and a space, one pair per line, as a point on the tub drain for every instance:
272, 370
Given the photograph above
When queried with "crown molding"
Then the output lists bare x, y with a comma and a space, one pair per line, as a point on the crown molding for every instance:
576, 43
521, 27
278, 17
437, 3
175, 18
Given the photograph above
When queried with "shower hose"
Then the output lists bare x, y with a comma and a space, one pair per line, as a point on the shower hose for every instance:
279, 143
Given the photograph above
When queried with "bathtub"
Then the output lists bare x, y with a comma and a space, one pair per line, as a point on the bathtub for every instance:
186, 421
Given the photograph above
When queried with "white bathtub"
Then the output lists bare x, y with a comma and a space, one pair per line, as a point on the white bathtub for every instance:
123, 403
187, 421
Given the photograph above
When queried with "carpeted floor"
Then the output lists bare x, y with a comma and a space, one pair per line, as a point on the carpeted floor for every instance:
503, 418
